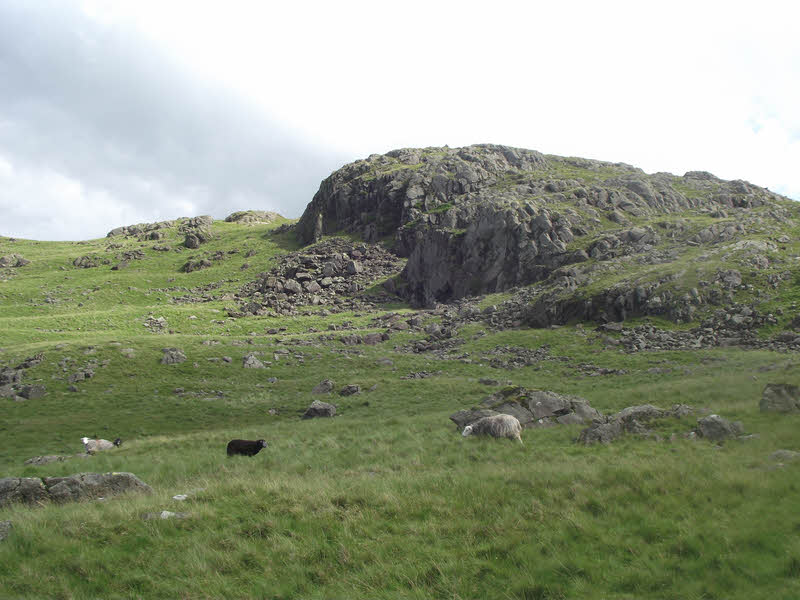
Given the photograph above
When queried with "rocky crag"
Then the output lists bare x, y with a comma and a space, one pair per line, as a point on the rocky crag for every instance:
602, 241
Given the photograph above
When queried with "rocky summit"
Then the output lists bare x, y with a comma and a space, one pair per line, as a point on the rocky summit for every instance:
603, 241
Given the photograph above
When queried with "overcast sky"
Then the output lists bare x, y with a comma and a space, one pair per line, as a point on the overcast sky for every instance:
114, 113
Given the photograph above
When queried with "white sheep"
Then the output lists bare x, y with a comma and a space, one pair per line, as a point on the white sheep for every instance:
496, 426
93, 445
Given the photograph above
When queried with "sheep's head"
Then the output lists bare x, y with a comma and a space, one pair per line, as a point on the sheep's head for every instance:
467, 431
118, 442
263, 443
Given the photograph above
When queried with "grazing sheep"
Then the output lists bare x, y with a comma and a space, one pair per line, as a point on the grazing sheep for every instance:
245, 447
496, 426
93, 445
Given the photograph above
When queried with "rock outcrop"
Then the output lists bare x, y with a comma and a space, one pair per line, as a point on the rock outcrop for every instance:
83, 486
252, 217
319, 409
486, 218
13, 260
532, 408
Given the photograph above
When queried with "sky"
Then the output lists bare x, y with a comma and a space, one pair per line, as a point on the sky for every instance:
113, 113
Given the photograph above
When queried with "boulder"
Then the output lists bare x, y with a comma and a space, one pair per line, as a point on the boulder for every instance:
32, 392
92, 485
251, 362
13, 260
643, 413
370, 339
601, 432
28, 490
323, 387
172, 356
319, 409
292, 286
10, 376
717, 429
781, 398
350, 389
547, 404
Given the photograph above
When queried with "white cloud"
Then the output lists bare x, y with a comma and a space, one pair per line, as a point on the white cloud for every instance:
251, 104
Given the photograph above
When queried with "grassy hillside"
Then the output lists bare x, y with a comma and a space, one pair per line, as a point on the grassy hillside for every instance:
386, 500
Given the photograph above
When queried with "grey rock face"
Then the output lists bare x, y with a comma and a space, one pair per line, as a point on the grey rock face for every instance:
716, 429
486, 218
319, 409
92, 485
780, 398
172, 356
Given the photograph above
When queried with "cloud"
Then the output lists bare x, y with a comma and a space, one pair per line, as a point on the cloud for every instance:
98, 125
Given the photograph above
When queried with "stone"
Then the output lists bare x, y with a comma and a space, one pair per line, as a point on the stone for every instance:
92, 485
191, 241
323, 387
319, 409
370, 339
164, 515
251, 362
28, 490
290, 285
38, 461
10, 376
643, 413
350, 389
464, 417
5, 529
780, 398
570, 419
353, 267
600, 432
13, 260
32, 392
351, 339
546, 404
785, 455
717, 429
172, 356
515, 409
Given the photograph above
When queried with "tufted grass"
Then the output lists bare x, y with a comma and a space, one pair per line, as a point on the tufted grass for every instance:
386, 500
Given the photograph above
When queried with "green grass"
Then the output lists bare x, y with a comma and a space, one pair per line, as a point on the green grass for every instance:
386, 500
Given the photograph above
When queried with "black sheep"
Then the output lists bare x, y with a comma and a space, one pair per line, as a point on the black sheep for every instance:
245, 447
